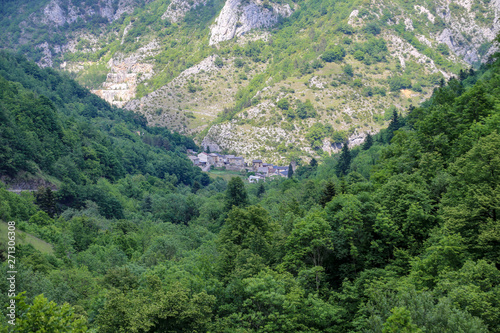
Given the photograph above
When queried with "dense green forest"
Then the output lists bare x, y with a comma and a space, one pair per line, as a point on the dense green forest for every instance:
401, 234
55, 129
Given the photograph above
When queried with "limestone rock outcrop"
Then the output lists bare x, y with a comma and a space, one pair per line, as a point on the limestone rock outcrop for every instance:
239, 17
179, 8
464, 33
58, 12
121, 82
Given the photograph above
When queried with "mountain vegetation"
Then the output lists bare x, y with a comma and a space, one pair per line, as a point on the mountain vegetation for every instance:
397, 235
266, 93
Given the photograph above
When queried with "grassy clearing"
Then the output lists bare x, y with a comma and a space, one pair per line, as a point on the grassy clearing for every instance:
25, 238
225, 174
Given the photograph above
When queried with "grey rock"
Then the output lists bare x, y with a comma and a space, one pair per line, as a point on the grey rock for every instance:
238, 18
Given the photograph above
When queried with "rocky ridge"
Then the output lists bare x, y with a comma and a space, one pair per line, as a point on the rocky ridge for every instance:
464, 34
58, 12
239, 17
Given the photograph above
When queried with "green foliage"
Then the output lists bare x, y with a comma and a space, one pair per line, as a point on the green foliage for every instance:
156, 308
336, 53
474, 288
372, 28
305, 110
238, 62
400, 321
373, 50
347, 69
443, 49
14, 207
290, 171
368, 142
344, 160
308, 245
469, 207
93, 76
283, 104
244, 242
411, 311
46, 200
346, 29
218, 62
45, 316
315, 135
399, 82
339, 136
275, 302
261, 190
236, 194
53, 119
328, 194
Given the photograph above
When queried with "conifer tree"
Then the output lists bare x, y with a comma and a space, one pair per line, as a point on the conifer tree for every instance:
344, 160
290, 170
328, 193
343, 185
261, 190
46, 200
393, 126
368, 142
462, 75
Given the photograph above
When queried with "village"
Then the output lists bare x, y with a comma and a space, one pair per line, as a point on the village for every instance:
260, 170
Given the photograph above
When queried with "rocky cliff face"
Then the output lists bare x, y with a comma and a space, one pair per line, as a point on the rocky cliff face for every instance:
466, 31
125, 73
239, 17
466, 27
121, 83
58, 12
179, 8
186, 110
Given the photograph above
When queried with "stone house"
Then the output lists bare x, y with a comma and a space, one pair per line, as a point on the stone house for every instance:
256, 164
214, 159
194, 159
237, 161
281, 170
263, 170
220, 160
203, 157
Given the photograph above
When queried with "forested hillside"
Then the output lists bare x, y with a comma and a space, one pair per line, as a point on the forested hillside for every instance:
54, 129
274, 80
400, 234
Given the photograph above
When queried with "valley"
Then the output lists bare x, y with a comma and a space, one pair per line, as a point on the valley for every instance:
250, 166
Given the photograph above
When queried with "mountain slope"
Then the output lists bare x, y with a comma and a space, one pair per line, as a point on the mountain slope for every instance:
400, 234
54, 129
218, 69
